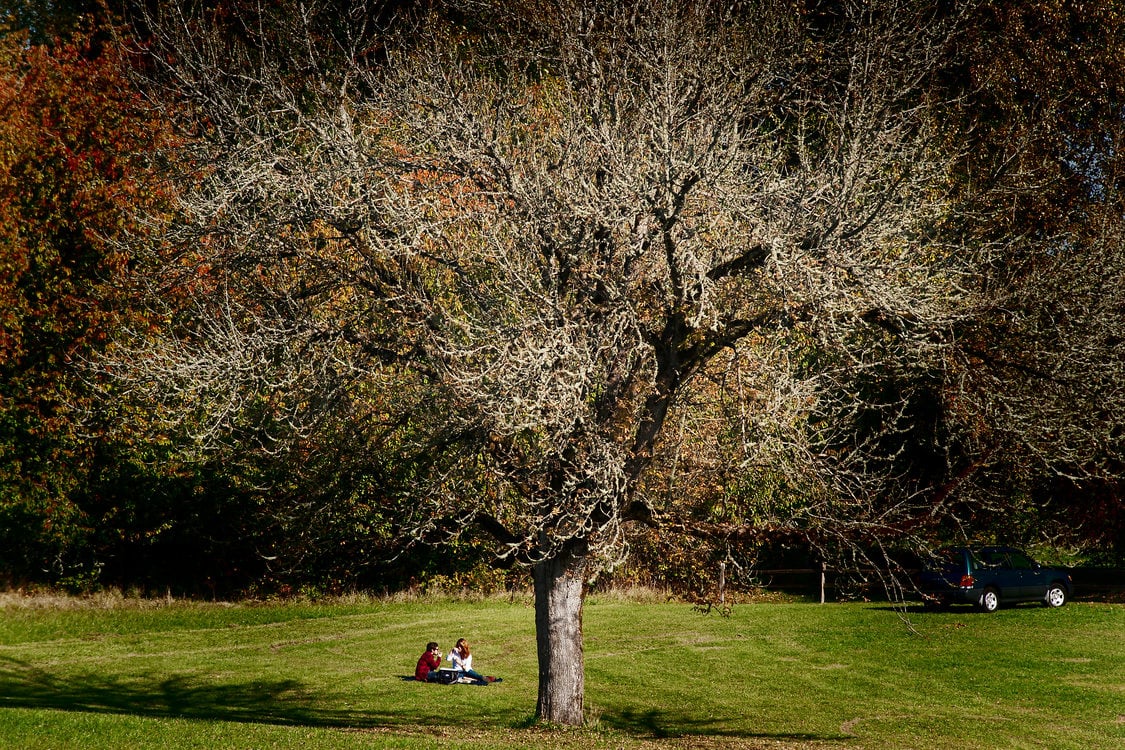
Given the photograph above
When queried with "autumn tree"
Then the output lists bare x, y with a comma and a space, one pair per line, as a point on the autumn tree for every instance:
1033, 397
48, 22
1012, 434
70, 126
510, 239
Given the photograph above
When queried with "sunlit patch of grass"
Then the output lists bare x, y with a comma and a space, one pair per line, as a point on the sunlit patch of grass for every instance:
122, 672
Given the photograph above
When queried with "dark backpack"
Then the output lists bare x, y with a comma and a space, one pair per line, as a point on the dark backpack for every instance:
444, 676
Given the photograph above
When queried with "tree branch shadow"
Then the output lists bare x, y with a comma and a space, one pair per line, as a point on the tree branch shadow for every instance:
281, 702
288, 702
676, 725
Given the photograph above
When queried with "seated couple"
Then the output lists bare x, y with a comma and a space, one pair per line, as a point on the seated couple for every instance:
460, 658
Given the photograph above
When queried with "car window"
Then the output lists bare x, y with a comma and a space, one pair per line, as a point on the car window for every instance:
993, 558
1019, 560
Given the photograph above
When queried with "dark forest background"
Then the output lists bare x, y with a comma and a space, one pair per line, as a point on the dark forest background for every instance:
87, 501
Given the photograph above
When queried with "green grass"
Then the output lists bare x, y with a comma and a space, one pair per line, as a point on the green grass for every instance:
792, 675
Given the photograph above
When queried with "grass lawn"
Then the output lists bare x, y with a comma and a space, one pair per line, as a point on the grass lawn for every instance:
794, 675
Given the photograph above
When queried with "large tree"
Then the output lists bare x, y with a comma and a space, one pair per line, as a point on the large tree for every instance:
535, 225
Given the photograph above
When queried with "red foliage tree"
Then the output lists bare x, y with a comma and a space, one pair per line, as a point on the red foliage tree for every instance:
71, 124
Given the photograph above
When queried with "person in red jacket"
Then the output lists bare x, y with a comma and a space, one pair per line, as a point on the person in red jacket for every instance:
428, 662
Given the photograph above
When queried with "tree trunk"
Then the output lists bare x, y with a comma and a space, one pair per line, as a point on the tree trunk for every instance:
559, 594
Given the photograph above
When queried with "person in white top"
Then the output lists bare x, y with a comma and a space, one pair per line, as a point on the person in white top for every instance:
461, 658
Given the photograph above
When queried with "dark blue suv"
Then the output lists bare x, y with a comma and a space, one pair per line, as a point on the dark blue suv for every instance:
989, 576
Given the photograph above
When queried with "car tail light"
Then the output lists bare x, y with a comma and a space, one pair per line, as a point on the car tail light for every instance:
967, 582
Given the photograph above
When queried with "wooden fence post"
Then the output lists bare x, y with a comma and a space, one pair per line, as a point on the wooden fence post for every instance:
722, 582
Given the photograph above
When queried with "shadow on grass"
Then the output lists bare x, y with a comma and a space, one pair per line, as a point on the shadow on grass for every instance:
952, 610
289, 703
282, 702
672, 725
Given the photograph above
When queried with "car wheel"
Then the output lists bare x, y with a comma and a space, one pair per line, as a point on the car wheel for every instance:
990, 600
1056, 596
